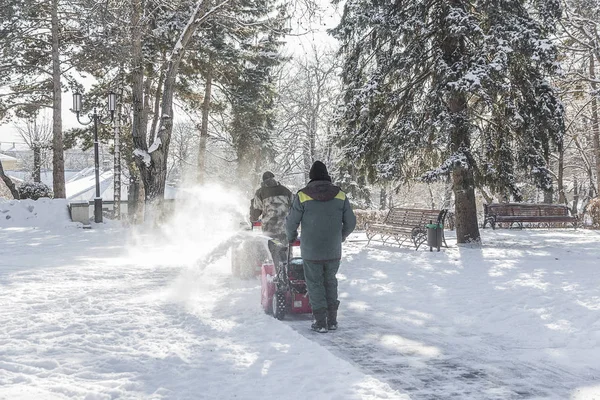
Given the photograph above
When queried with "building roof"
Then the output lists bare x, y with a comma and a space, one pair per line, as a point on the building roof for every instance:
5, 157
83, 186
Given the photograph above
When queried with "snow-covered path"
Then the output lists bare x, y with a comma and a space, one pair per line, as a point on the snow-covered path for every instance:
95, 321
93, 315
517, 319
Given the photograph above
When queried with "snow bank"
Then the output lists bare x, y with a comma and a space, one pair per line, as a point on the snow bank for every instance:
42, 213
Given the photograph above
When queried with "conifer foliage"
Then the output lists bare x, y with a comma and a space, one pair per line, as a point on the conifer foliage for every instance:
451, 87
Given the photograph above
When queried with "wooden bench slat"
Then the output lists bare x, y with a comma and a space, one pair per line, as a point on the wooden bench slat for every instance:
539, 218
524, 212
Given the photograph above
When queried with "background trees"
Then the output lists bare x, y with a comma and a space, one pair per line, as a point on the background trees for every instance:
496, 102
433, 88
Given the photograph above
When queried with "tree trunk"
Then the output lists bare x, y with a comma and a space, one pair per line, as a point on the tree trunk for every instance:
595, 121
488, 199
247, 154
37, 163
463, 181
314, 121
147, 90
465, 208
153, 160
58, 158
549, 195
467, 229
431, 196
307, 155
204, 126
138, 127
549, 192
157, 98
588, 167
9, 183
383, 198
117, 162
447, 195
314, 108
307, 160
132, 197
562, 199
574, 209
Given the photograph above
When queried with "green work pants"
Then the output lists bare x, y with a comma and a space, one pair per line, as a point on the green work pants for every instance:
321, 283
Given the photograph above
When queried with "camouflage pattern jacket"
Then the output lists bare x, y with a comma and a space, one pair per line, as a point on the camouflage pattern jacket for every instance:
273, 201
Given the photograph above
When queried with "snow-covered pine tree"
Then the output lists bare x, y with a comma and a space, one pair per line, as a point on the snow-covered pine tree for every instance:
354, 184
38, 41
215, 61
252, 94
454, 86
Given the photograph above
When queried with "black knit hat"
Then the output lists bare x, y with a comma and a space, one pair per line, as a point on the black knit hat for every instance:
267, 175
318, 172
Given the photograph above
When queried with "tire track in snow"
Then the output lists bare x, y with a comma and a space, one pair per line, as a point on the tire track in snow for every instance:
464, 375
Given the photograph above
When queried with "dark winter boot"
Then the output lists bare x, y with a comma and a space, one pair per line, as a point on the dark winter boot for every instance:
320, 324
332, 316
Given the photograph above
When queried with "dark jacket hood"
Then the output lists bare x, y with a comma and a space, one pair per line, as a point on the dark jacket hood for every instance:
321, 190
271, 182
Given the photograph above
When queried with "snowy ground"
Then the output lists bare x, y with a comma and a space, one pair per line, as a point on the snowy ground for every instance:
109, 313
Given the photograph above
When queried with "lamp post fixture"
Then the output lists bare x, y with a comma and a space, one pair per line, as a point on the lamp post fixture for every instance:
96, 118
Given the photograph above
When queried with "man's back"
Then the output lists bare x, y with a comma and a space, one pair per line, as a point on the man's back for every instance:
272, 200
326, 219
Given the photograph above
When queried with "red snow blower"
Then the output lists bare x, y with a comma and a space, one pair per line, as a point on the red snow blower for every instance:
283, 288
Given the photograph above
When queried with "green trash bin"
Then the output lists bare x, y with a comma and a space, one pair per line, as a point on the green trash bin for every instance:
434, 235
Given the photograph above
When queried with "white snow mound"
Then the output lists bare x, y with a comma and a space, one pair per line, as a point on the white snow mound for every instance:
41, 213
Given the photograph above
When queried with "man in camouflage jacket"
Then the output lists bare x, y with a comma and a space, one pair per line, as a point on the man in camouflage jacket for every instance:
272, 201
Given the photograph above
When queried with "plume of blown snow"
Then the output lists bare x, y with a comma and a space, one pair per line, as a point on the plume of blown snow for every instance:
204, 220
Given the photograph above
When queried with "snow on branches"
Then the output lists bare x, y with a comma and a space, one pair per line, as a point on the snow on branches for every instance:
423, 79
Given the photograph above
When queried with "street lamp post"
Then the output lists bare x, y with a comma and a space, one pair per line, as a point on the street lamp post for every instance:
96, 118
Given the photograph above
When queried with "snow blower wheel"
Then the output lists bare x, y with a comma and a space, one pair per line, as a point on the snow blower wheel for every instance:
279, 305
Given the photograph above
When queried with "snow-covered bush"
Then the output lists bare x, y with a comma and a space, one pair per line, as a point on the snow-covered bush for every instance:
365, 217
34, 190
594, 210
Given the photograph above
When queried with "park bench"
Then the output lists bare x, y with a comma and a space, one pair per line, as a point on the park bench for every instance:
402, 224
540, 215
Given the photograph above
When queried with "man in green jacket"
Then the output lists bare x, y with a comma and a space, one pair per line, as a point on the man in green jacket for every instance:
326, 219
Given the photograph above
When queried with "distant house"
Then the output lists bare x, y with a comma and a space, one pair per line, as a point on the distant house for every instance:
4, 191
82, 186
8, 163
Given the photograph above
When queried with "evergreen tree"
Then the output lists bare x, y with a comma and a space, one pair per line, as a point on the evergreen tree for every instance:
355, 185
253, 94
38, 41
454, 85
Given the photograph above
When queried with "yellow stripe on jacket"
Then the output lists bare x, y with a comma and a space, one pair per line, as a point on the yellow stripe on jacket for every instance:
303, 197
